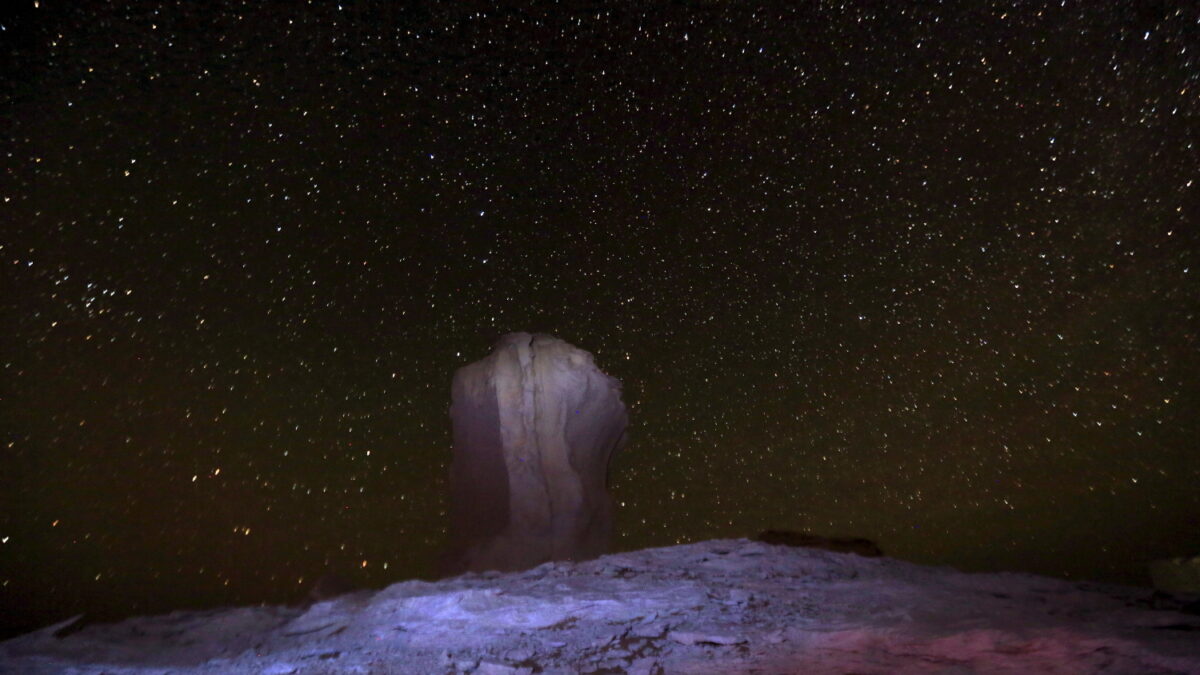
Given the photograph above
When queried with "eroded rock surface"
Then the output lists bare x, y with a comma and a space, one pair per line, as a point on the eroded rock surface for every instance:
535, 426
716, 607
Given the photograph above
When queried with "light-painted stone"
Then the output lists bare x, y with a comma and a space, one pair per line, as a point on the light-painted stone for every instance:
535, 426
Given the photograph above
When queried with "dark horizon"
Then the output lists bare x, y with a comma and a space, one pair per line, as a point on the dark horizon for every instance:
916, 274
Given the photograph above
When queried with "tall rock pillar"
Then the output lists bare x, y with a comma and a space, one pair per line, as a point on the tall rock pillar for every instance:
535, 425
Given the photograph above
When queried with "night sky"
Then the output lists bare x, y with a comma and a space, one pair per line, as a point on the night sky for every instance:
919, 272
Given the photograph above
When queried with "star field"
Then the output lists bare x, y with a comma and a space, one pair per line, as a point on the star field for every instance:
919, 272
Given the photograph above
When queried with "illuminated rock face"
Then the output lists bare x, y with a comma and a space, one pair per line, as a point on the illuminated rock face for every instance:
535, 425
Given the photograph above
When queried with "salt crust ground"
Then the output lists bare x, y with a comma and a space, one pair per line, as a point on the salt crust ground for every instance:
726, 606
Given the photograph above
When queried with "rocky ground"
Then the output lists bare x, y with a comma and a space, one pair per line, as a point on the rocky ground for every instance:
726, 606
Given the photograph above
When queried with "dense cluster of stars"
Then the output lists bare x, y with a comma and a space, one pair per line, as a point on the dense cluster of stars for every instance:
920, 273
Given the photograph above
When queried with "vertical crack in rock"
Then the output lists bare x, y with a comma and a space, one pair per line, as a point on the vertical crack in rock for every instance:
535, 424
532, 407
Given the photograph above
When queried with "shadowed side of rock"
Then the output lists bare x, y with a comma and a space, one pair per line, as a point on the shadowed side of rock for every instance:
535, 426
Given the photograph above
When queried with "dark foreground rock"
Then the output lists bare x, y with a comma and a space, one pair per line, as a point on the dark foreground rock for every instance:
730, 606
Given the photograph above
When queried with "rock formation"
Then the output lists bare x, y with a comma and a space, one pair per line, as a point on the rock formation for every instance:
1176, 575
329, 586
858, 545
535, 425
